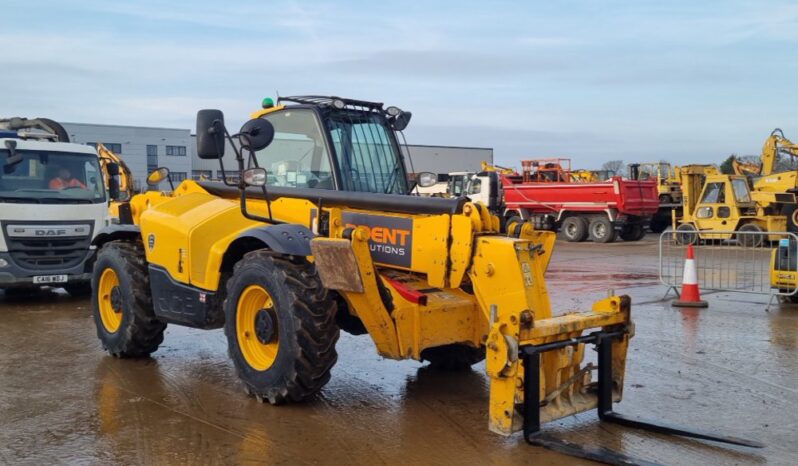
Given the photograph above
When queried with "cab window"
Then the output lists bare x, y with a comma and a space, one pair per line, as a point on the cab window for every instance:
714, 194
741, 192
476, 186
298, 156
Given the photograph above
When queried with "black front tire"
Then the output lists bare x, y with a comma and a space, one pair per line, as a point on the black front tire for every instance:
454, 357
140, 332
306, 328
686, 234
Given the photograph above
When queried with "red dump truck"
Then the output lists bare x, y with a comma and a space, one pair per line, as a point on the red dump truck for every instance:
547, 195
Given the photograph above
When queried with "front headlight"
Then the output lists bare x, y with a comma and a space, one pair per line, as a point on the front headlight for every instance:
3, 263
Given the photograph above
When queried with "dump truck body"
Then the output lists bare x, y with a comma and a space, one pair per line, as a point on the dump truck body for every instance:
615, 205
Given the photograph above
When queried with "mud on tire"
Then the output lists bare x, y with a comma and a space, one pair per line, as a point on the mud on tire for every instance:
455, 357
140, 332
306, 331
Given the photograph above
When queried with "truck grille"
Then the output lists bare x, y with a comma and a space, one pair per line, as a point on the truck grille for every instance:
47, 253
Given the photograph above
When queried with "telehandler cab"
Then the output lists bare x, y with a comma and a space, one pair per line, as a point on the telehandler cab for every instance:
320, 234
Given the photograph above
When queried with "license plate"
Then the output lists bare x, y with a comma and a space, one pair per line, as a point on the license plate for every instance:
45, 279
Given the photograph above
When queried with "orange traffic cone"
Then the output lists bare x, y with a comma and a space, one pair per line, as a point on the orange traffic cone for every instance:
691, 296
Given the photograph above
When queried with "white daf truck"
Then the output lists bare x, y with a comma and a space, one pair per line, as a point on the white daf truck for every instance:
53, 201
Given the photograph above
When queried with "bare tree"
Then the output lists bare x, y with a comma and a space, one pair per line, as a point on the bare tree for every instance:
614, 166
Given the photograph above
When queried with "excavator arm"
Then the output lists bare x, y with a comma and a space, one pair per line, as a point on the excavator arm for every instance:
125, 175
745, 169
776, 144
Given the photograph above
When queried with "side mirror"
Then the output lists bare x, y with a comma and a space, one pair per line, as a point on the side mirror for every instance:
210, 134
112, 168
113, 188
426, 179
158, 175
256, 134
255, 177
13, 157
400, 121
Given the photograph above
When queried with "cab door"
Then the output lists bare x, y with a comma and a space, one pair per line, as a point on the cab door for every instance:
717, 209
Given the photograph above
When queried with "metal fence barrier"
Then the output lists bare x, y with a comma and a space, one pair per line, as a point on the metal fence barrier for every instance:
737, 261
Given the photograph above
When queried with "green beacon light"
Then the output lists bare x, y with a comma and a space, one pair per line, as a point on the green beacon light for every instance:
267, 102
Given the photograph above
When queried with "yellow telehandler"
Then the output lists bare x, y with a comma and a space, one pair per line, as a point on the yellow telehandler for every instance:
320, 234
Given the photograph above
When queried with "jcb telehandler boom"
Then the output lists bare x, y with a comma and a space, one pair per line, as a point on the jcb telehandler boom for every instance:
320, 234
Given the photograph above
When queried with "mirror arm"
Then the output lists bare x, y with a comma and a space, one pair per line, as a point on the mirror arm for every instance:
243, 187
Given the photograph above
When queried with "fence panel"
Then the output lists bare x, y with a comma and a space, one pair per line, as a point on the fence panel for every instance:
738, 261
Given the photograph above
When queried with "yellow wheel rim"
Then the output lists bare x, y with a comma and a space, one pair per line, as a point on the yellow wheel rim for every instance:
256, 327
110, 300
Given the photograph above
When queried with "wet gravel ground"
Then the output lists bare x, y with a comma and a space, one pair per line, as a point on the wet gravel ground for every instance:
730, 368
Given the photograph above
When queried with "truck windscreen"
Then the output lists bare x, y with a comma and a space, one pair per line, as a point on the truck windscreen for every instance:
47, 177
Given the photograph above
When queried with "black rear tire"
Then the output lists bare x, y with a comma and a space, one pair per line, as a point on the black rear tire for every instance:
454, 357
791, 212
306, 331
633, 232
753, 240
140, 332
658, 226
602, 230
574, 229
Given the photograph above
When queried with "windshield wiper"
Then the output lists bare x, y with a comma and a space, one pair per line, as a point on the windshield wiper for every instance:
19, 200
44, 200
63, 200
393, 179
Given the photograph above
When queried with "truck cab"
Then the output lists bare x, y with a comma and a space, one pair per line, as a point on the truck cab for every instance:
53, 201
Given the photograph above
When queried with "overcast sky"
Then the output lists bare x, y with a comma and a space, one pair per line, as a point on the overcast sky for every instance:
686, 81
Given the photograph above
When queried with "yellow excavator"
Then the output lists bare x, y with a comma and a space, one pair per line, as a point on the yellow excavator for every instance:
489, 167
321, 234
107, 159
768, 177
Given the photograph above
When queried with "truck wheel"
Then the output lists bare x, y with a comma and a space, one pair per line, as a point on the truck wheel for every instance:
686, 234
280, 327
574, 229
122, 301
791, 212
455, 357
602, 230
634, 232
79, 289
752, 240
